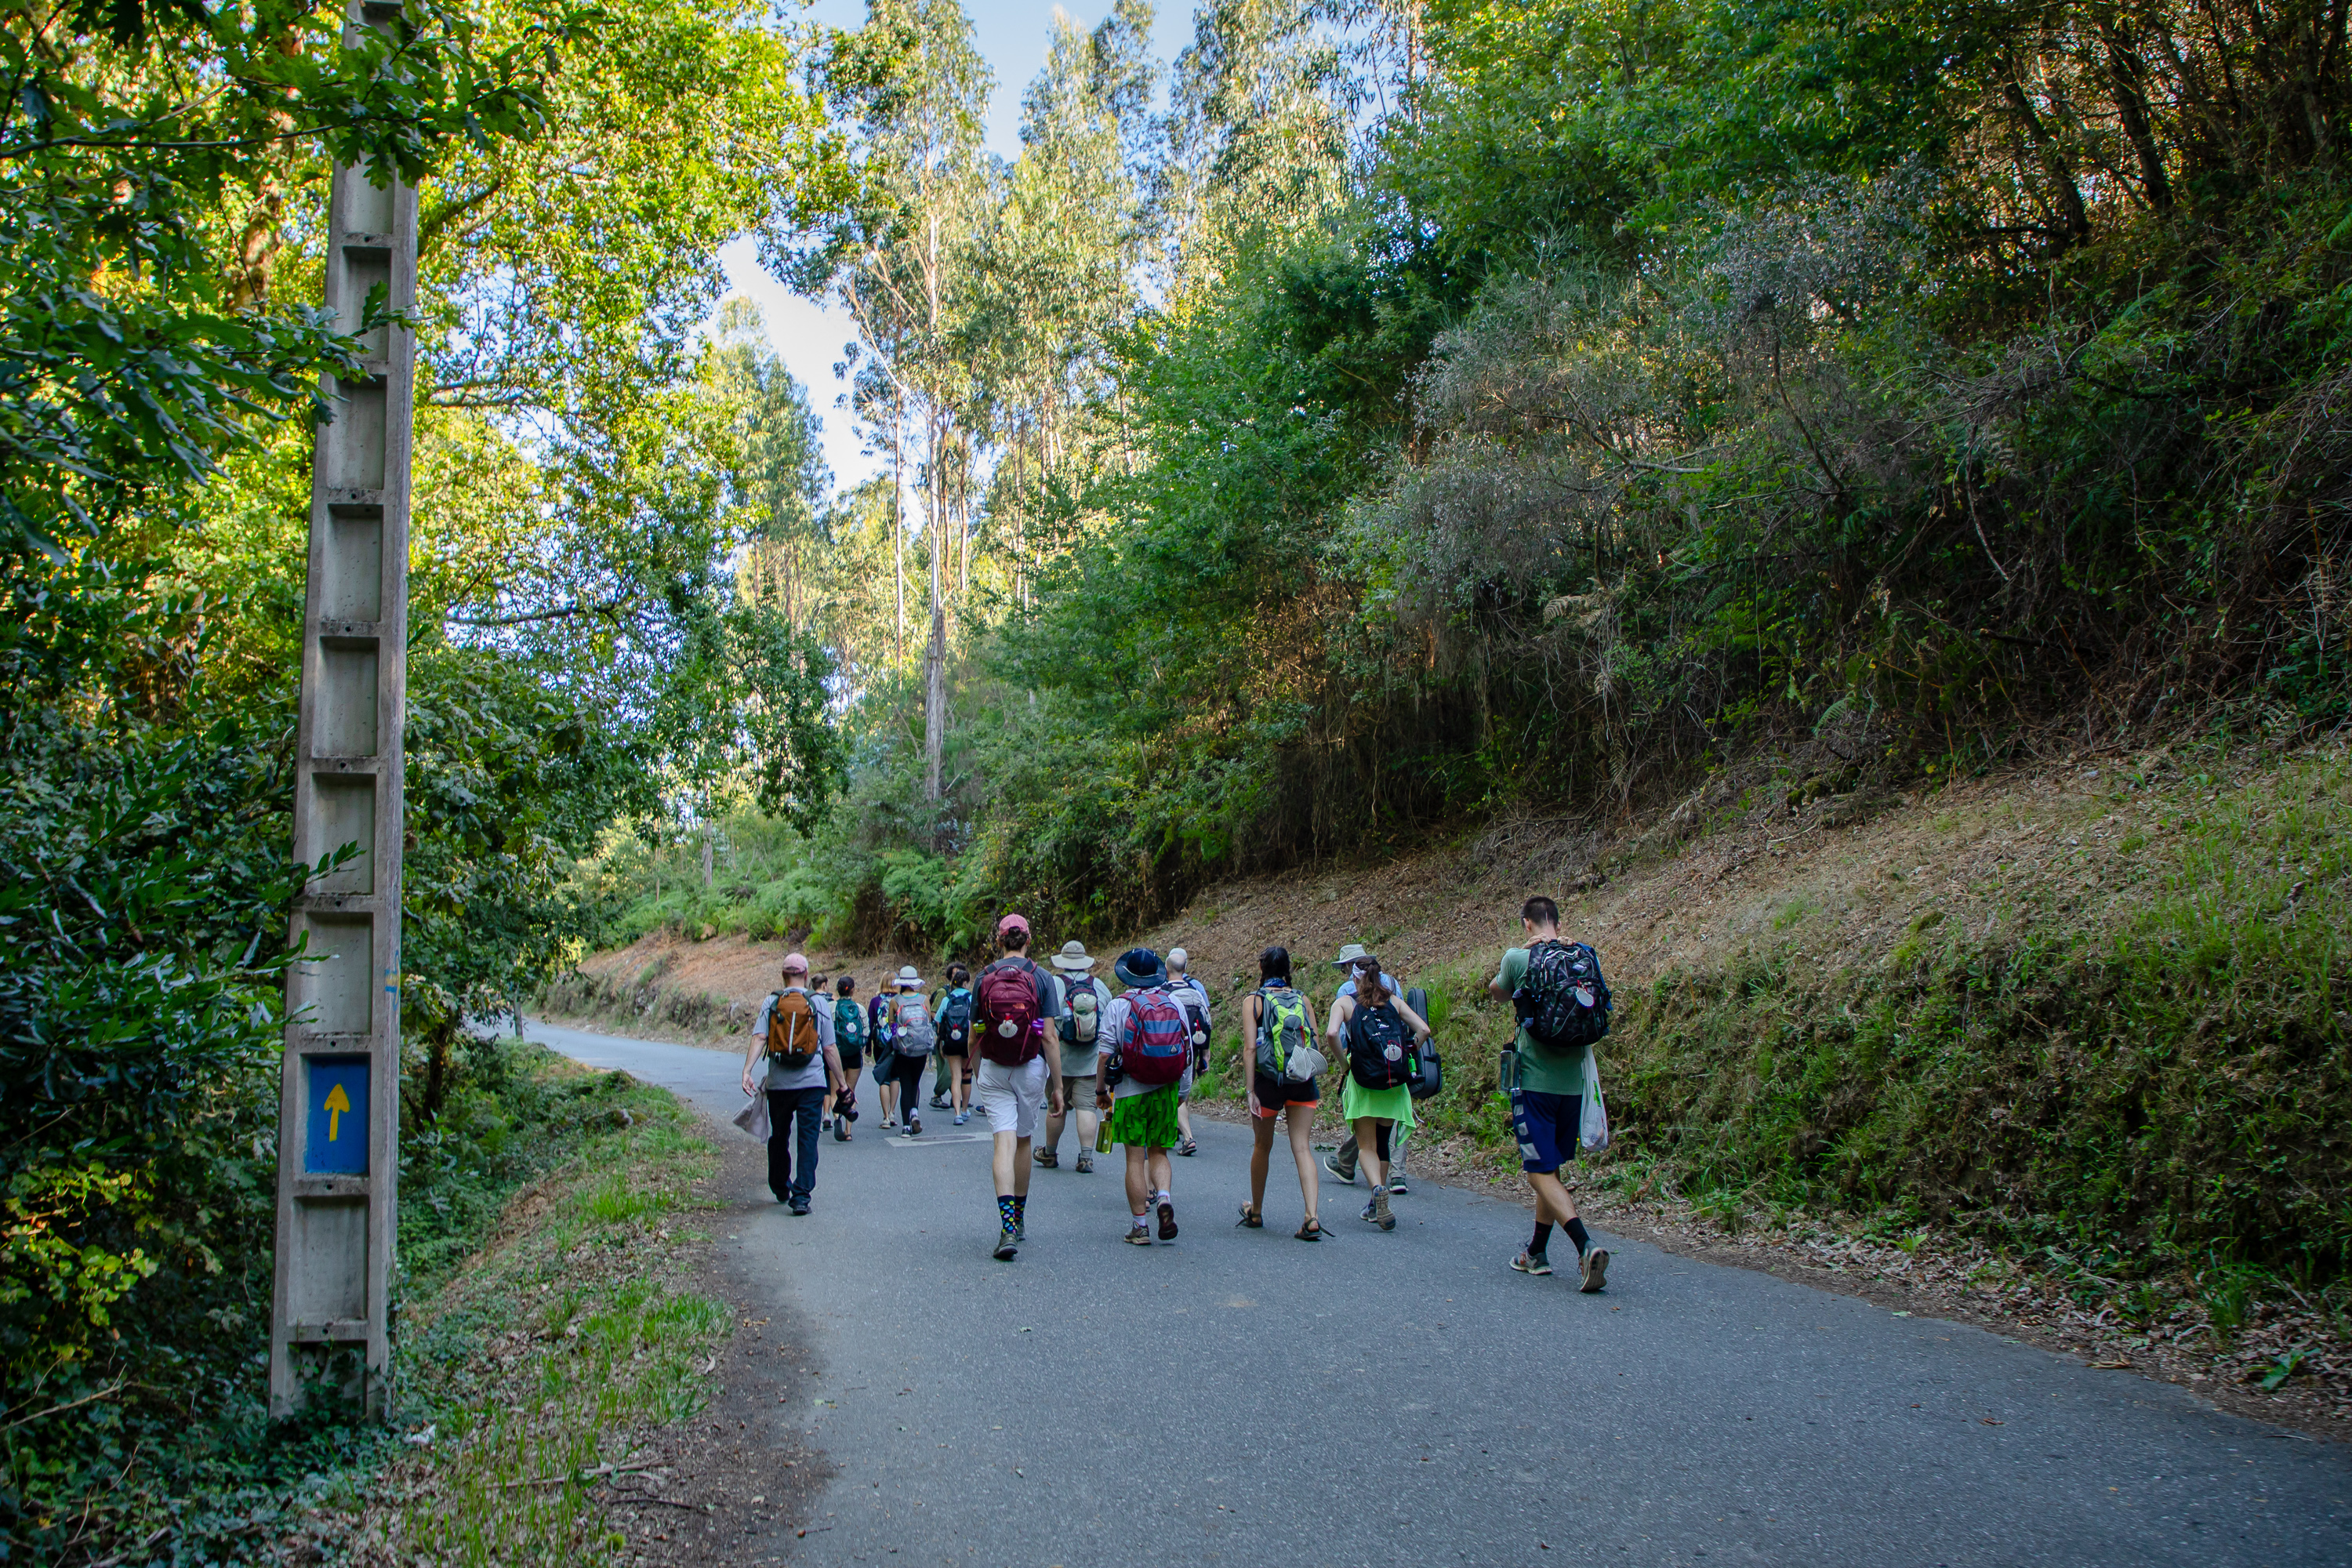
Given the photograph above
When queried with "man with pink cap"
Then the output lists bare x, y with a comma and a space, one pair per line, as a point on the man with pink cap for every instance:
1013, 1003
793, 1036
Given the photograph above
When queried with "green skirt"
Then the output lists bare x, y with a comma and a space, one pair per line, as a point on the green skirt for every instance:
1356, 1101
1146, 1120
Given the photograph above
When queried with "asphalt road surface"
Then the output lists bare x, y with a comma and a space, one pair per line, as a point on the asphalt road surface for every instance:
1241, 1397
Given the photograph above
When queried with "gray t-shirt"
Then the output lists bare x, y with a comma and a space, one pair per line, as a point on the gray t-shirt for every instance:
812, 1076
1078, 1060
1114, 1020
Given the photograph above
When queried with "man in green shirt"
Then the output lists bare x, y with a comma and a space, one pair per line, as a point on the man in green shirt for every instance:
1546, 1083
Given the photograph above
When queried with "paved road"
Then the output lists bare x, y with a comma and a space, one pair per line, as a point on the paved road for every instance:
1405, 1398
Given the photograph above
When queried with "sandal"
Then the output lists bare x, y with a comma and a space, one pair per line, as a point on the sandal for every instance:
1309, 1230
1188, 1147
1251, 1218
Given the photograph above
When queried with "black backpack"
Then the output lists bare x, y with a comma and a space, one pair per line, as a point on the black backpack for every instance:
1372, 1032
1562, 1001
955, 1017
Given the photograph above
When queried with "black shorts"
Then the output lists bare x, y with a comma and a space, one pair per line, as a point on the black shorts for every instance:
851, 1061
1274, 1093
954, 1047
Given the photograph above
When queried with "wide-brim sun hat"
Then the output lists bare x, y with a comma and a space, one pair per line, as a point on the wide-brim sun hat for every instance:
1350, 956
906, 976
1138, 966
1073, 959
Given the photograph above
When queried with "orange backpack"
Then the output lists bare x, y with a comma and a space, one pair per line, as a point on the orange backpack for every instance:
791, 1029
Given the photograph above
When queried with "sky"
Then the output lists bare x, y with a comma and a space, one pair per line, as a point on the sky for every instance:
1012, 35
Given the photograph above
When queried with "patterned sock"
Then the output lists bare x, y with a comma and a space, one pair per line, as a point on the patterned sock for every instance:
1008, 1208
1542, 1240
1575, 1229
1019, 1206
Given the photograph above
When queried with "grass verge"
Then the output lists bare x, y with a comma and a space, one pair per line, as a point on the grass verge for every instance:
531, 1370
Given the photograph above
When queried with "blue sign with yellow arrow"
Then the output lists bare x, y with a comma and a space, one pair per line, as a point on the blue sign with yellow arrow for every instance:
338, 1143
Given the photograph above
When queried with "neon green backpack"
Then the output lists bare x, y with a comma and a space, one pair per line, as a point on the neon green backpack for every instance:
1285, 1028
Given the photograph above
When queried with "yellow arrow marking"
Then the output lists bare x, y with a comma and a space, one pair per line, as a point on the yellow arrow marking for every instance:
337, 1104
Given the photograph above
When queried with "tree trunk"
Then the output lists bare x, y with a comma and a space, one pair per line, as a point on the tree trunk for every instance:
705, 856
935, 657
439, 1038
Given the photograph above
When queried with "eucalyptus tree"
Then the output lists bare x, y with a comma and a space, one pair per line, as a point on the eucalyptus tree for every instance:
899, 252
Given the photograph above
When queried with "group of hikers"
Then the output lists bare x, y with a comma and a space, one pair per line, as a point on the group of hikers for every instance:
1035, 1047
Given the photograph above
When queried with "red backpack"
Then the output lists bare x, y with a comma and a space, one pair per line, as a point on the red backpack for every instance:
1157, 1040
1005, 1019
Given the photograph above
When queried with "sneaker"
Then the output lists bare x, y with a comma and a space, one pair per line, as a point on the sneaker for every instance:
1021, 1228
1397, 1188
1367, 1215
800, 1207
1167, 1220
1331, 1165
890, 1124
1139, 1233
1086, 1164
1532, 1263
1048, 1158
962, 1116
1596, 1270
824, 1123
1008, 1244
939, 1102
1381, 1215
914, 1127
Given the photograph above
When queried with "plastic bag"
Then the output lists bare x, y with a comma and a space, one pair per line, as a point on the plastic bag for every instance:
753, 1117
1593, 1132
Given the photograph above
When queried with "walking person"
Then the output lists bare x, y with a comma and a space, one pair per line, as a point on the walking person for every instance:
1562, 1004
1379, 1037
1278, 1027
1341, 1162
792, 1057
951, 1008
1014, 1003
1193, 997
1147, 1052
1083, 1001
886, 1055
849, 1044
911, 1038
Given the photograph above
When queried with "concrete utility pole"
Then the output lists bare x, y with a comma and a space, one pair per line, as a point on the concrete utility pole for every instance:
338, 1107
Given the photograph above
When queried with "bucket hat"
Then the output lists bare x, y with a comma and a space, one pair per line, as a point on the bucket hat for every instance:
906, 976
1353, 953
1073, 959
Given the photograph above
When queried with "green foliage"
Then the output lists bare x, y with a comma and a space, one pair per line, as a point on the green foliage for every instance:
2169, 1088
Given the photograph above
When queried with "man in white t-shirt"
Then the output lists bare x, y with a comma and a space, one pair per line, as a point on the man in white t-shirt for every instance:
1193, 997
796, 1065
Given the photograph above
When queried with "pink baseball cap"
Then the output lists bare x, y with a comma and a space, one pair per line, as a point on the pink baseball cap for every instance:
796, 964
1013, 923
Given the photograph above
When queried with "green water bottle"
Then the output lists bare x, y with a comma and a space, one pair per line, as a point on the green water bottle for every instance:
1102, 1134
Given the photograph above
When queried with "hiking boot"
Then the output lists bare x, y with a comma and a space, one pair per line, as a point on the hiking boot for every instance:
1048, 1158
1331, 1165
1367, 1215
1086, 1164
1532, 1263
1381, 1215
1595, 1268
1021, 1228
1167, 1220
1139, 1233
939, 1102
1008, 1244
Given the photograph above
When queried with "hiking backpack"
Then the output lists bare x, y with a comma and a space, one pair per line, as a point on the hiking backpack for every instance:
1155, 1039
1082, 1023
877, 1019
955, 1020
1005, 1015
1195, 1002
791, 1030
1380, 1047
912, 1027
848, 1025
1284, 1026
1561, 1000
